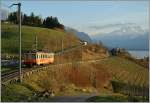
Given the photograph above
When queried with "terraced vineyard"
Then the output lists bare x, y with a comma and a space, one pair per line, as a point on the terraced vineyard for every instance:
126, 71
128, 77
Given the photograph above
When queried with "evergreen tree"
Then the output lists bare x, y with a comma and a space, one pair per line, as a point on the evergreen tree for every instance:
32, 18
48, 22
13, 17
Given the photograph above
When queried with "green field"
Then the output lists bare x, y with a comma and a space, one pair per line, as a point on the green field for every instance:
7, 69
48, 39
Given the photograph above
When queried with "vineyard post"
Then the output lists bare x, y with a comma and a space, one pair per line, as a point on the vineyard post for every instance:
128, 91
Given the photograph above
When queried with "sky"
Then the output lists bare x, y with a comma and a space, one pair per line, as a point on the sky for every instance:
92, 17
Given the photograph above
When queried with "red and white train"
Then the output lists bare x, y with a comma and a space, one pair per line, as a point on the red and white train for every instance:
38, 58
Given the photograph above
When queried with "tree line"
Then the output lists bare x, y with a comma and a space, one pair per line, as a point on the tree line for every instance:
33, 20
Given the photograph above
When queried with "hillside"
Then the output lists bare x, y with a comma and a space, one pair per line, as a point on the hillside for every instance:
75, 78
48, 39
82, 35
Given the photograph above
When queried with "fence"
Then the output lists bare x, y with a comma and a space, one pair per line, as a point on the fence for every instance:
131, 90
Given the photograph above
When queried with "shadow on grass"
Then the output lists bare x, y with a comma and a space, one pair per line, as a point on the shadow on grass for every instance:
107, 99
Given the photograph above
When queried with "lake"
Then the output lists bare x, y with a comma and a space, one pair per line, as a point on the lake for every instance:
139, 53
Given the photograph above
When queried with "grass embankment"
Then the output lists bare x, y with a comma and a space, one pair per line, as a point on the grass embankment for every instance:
20, 93
15, 92
48, 39
67, 78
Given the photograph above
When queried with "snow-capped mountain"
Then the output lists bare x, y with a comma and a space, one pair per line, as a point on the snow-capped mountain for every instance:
128, 37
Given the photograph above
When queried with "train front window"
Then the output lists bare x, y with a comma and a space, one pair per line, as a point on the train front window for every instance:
33, 56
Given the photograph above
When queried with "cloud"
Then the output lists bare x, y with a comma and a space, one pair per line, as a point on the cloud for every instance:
107, 26
3, 14
130, 31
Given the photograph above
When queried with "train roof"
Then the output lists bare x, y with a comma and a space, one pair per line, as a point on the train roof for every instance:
38, 52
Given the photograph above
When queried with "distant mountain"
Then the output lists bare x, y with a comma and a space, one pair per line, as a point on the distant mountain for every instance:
81, 35
133, 38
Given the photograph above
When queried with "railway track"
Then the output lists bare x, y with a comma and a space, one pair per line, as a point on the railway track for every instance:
8, 76
15, 73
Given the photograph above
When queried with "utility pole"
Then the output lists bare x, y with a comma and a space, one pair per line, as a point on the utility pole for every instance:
62, 45
19, 32
19, 16
62, 49
36, 42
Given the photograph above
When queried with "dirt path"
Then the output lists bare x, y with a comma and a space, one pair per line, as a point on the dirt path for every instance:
81, 98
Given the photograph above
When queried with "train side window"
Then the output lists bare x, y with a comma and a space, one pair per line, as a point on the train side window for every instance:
52, 55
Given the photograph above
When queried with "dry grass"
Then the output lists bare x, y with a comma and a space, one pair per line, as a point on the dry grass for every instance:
60, 78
